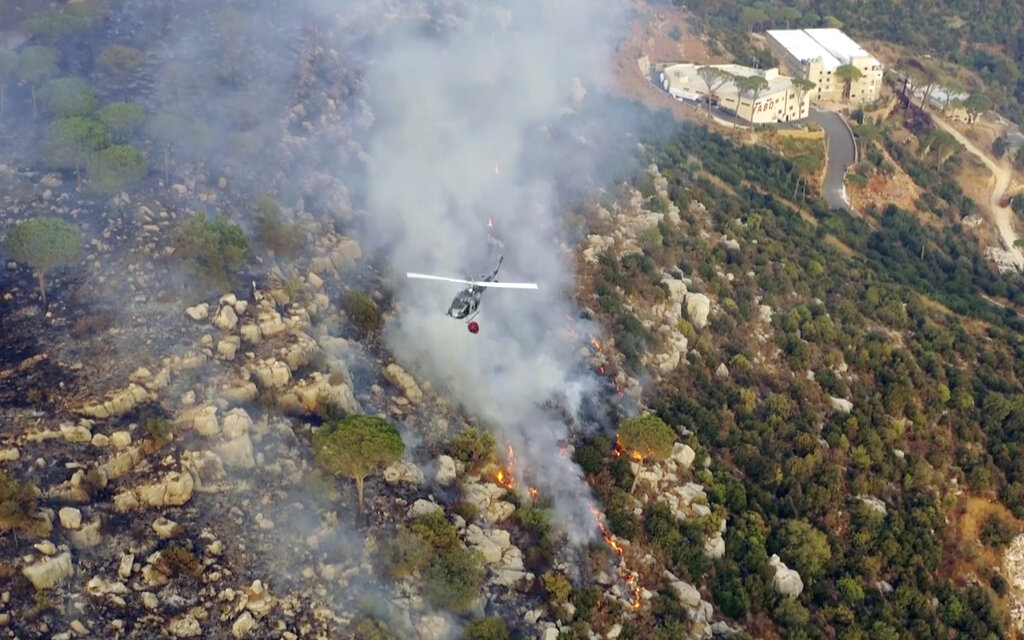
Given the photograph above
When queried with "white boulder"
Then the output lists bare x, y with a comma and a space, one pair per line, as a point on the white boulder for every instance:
70, 517
199, 312
842, 405
787, 582
446, 471
49, 572
403, 471
698, 306
405, 382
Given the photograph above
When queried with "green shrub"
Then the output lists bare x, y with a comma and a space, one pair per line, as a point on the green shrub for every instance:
115, 168
363, 311
475, 448
157, 428
649, 436
404, 554
70, 142
591, 456
177, 560
622, 473
295, 288
455, 579
369, 629
68, 97
557, 586
17, 503
467, 510
996, 532
213, 250
121, 118
535, 520
285, 240
490, 628
436, 530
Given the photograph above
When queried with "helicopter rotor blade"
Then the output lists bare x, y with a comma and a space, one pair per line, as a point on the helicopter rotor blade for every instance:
507, 285
498, 285
424, 276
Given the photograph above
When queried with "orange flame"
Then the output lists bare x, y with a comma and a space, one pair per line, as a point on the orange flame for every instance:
596, 343
504, 477
533, 494
490, 223
629, 577
619, 450
601, 369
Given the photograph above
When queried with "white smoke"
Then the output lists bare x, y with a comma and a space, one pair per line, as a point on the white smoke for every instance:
454, 112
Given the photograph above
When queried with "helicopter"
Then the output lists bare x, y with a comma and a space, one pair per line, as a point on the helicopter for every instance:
467, 302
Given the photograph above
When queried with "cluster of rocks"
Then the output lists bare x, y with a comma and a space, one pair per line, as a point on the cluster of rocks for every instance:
629, 222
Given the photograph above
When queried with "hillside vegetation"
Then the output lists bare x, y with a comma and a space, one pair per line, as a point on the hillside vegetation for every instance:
862, 498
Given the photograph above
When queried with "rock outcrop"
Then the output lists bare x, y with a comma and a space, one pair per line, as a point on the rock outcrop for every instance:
787, 582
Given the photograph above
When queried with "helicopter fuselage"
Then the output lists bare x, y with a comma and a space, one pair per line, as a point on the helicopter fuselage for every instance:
467, 301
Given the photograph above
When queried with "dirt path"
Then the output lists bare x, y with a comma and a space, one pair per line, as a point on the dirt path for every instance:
1002, 217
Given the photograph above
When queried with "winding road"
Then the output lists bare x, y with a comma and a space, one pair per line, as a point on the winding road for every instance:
842, 152
1002, 217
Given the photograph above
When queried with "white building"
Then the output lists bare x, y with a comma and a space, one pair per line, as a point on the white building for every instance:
815, 54
780, 102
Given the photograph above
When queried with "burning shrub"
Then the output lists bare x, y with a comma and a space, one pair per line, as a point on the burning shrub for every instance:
17, 503
405, 554
647, 436
490, 628
436, 530
474, 448
363, 311
455, 579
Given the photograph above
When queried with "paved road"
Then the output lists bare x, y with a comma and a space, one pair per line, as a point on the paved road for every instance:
842, 152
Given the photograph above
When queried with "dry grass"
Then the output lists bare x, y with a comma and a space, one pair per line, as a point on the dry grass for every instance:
972, 513
837, 244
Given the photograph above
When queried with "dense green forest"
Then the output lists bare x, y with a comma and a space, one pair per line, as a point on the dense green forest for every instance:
932, 370
985, 36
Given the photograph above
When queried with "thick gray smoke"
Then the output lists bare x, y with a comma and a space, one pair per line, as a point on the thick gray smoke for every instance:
454, 112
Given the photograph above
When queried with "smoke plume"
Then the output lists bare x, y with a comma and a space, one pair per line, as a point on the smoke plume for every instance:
462, 115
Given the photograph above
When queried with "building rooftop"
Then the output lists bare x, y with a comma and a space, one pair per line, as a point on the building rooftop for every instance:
834, 47
686, 74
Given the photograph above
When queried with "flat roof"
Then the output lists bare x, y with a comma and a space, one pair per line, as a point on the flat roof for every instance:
834, 47
686, 74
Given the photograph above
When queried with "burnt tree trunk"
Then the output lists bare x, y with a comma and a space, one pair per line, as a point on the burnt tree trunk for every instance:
40, 274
